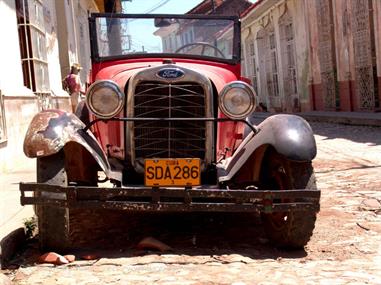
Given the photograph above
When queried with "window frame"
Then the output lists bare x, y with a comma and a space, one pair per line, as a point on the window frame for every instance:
32, 37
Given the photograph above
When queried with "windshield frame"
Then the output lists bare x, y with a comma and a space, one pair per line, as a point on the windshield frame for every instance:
236, 58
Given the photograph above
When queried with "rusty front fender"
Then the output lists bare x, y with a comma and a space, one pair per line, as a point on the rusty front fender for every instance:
51, 130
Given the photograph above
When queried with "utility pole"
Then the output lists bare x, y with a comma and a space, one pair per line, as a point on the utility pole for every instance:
113, 27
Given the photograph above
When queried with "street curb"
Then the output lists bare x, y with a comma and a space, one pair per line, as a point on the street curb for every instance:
355, 119
343, 120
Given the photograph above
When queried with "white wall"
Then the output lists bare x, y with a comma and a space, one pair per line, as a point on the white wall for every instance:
11, 78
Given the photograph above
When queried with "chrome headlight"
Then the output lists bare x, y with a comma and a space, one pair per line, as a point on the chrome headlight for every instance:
105, 99
237, 100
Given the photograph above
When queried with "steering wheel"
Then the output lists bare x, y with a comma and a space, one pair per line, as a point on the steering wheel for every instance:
204, 45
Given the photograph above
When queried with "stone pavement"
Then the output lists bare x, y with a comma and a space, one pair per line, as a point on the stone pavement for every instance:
345, 247
13, 214
223, 269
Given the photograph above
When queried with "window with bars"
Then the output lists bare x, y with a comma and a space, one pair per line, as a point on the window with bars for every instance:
262, 49
32, 39
251, 63
272, 79
288, 58
291, 69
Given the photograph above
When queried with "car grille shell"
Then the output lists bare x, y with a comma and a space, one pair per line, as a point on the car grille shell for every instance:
152, 97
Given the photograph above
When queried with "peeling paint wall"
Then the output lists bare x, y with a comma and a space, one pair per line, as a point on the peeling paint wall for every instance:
272, 13
331, 74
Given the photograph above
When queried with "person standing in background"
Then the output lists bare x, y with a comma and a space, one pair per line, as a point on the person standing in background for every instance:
72, 84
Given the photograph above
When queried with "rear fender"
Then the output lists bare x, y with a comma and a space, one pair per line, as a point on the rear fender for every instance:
289, 135
52, 130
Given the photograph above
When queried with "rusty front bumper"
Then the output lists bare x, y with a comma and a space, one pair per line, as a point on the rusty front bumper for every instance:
170, 200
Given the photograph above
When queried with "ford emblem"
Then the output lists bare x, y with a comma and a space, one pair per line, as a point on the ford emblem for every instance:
170, 73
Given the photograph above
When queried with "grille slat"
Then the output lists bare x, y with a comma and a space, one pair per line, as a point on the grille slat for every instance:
160, 139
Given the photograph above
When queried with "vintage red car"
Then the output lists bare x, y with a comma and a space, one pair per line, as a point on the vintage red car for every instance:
166, 120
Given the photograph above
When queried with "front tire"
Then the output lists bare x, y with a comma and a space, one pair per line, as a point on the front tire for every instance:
290, 229
53, 221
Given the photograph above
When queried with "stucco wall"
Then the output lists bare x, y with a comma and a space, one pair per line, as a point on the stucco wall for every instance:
19, 112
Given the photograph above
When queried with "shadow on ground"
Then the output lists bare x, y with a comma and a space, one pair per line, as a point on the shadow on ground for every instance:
196, 234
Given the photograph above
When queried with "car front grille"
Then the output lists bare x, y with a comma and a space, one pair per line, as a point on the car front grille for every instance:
178, 139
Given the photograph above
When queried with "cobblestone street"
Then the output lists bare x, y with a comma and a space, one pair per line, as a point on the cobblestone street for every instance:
345, 247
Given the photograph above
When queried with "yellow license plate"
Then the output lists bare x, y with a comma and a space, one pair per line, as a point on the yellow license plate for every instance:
172, 172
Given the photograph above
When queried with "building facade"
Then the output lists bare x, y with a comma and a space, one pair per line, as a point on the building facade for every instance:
321, 55
43, 39
177, 36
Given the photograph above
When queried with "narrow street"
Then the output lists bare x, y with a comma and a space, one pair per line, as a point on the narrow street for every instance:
141, 95
226, 249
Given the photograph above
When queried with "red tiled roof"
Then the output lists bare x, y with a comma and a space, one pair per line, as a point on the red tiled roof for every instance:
248, 10
205, 7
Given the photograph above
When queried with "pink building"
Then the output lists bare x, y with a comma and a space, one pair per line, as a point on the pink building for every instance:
304, 55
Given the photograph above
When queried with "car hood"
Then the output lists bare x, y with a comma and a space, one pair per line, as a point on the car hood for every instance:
120, 73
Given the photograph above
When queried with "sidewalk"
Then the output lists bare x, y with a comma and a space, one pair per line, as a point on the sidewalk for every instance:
12, 214
347, 118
